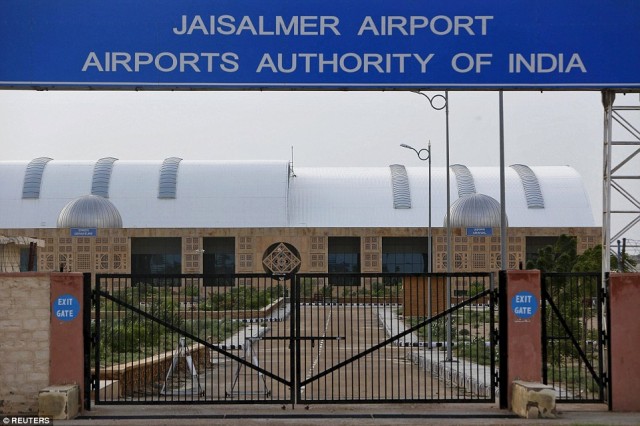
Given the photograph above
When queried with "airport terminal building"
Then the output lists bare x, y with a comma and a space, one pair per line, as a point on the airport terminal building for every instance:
211, 217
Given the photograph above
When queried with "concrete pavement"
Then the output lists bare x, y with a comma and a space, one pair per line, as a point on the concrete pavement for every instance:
395, 413
346, 414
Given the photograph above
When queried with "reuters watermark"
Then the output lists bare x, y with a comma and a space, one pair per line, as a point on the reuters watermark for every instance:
23, 420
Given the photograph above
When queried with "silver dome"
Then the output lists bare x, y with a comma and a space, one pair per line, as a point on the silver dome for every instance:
475, 210
90, 211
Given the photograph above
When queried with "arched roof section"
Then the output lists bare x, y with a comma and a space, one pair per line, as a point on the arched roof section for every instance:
531, 186
169, 177
464, 180
33, 177
102, 176
261, 194
362, 197
400, 187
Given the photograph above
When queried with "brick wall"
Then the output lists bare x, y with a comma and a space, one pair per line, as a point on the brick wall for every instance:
24, 336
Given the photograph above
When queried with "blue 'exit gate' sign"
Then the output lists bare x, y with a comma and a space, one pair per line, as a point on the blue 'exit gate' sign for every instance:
524, 305
66, 307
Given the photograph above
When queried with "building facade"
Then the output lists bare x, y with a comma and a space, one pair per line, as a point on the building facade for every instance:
179, 216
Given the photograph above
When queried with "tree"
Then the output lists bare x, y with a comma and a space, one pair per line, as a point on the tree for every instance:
559, 257
476, 288
566, 293
589, 261
562, 257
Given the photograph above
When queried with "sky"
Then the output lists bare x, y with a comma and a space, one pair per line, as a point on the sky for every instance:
346, 128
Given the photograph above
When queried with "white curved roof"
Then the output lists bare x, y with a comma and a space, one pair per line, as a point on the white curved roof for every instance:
225, 194
208, 194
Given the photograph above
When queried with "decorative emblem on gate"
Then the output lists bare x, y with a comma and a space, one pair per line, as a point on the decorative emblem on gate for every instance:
281, 258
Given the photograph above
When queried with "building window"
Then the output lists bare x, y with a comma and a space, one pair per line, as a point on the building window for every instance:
317, 261
370, 260
246, 261
119, 262
245, 243
25, 253
83, 262
219, 255
317, 243
344, 255
156, 256
479, 261
49, 264
405, 255
65, 261
535, 244
102, 261
496, 261
371, 244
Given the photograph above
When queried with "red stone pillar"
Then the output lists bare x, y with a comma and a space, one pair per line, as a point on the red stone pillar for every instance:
524, 328
66, 332
624, 349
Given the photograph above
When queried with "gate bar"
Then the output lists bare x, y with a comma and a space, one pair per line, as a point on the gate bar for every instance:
551, 309
191, 336
96, 340
86, 339
386, 342
503, 326
294, 345
607, 314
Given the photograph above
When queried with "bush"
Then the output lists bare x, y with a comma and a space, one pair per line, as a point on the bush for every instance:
243, 298
477, 351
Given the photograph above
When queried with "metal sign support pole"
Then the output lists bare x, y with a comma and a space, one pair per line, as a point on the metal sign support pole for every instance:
504, 264
608, 98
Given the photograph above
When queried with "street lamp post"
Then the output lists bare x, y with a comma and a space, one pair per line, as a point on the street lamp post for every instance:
439, 102
426, 157
449, 236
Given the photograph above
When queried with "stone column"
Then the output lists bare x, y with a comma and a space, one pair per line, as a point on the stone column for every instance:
66, 332
524, 328
624, 299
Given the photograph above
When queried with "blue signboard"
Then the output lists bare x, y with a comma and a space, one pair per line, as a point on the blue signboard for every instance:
524, 305
479, 232
84, 232
66, 307
319, 44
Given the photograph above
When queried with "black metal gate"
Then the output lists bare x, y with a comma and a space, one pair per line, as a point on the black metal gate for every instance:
390, 338
574, 339
192, 338
305, 338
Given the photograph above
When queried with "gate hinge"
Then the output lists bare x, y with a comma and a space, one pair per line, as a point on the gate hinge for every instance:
495, 335
603, 293
496, 378
604, 339
94, 338
95, 298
